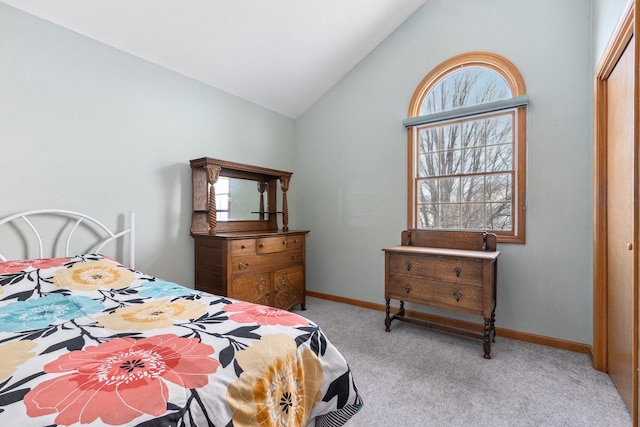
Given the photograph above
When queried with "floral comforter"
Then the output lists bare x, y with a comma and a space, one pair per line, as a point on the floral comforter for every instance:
86, 341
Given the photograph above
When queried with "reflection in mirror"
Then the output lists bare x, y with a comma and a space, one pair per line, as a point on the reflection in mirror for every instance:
240, 199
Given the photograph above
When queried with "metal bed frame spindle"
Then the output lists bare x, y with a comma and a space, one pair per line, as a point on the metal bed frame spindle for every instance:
79, 219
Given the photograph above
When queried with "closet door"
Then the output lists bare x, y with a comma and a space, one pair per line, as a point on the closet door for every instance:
621, 253
615, 273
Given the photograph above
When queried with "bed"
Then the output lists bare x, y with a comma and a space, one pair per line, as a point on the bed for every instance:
88, 340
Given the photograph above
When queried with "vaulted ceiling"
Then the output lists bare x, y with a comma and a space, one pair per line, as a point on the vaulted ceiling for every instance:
280, 54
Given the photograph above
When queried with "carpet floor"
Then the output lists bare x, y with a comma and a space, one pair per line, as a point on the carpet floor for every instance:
413, 376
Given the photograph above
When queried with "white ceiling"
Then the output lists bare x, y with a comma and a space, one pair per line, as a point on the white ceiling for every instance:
280, 54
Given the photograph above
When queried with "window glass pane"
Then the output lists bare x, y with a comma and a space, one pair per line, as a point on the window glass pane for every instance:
449, 190
499, 157
449, 162
473, 160
427, 216
473, 216
465, 87
429, 165
449, 137
500, 129
499, 188
499, 216
473, 133
473, 189
449, 216
428, 139
428, 191
443, 137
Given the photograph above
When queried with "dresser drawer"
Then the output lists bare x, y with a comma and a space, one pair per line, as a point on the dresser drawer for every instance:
295, 242
439, 294
252, 263
243, 247
268, 245
437, 268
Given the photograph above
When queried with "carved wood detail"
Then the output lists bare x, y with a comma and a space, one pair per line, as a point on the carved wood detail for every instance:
213, 172
204, 216
286, 292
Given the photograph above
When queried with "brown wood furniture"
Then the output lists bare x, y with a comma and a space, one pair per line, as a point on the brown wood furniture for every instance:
247, 259
445, 269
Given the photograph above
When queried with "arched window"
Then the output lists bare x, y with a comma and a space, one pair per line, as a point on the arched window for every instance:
467, 148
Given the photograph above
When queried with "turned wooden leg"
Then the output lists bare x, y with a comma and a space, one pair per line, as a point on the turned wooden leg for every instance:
493, 325
387, 319
487, 338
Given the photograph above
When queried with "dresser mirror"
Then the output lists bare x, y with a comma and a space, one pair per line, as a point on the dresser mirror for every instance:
240, 199
235, 197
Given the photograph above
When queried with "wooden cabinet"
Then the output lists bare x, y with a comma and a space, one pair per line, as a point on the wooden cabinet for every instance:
263, 268
239, 250
444, 269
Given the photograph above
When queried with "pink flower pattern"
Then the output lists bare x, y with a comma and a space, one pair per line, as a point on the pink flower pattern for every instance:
245, 312
120, 380
24, 264
212, 362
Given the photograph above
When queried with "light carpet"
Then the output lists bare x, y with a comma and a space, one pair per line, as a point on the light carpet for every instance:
414, 376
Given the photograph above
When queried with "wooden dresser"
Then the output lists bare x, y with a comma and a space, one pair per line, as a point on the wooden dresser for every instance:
239, 250
263, 268
445, 269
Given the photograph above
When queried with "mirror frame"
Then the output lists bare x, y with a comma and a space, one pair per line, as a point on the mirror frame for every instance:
206, 170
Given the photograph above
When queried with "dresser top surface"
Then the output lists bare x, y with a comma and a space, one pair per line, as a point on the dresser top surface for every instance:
250, 234
422, 250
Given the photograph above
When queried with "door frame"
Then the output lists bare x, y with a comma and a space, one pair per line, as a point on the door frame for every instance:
624, 31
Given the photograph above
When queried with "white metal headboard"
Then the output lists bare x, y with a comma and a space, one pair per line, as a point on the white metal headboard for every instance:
79, 218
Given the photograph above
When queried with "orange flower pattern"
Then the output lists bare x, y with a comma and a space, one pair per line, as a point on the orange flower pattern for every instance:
278, 387
84, 340
14, 354
152, 315
94, 275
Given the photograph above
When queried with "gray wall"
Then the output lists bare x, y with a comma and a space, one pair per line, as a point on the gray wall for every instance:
606, 14
351, 158
86, 127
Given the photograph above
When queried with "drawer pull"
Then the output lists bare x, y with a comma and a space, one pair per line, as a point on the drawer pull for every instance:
242, 266
261, 245
295, 257
407, 288
457, 295
243, 247
408, 265
284, 242
457, 270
